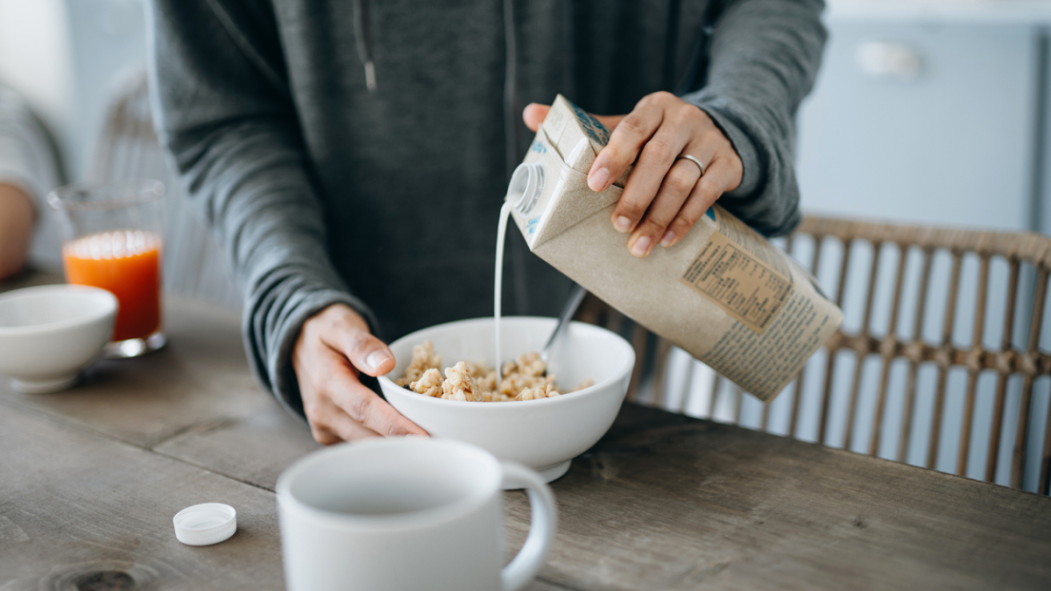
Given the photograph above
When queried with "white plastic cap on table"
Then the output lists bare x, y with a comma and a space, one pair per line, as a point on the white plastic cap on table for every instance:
205, 524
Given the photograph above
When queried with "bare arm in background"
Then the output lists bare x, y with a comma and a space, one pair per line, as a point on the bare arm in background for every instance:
16, 229
29, 170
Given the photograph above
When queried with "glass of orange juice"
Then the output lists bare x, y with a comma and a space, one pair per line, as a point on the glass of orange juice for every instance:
112, 239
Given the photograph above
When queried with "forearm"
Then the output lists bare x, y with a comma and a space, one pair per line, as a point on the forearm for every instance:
250, 182
16, 228
764, 57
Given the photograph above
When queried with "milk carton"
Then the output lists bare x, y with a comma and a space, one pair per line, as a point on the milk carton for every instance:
723, 293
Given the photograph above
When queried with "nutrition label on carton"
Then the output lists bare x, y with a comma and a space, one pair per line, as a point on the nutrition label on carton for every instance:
746, 287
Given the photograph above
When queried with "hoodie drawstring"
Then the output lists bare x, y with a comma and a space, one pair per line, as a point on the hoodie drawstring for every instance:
363, 37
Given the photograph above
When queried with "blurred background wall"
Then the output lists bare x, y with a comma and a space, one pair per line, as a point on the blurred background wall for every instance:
68, 57
35, 57
931, 111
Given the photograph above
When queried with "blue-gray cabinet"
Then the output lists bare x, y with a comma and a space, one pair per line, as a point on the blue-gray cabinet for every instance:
951, 143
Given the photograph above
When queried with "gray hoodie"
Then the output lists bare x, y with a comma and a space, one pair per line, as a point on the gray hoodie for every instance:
358, 152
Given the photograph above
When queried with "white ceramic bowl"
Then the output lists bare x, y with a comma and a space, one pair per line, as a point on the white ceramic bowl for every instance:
542, 434
49, 333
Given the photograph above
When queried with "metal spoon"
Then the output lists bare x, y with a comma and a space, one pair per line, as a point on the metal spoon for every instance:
568, 311
575, 297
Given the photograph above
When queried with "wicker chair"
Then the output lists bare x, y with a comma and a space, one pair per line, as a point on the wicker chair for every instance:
893, 286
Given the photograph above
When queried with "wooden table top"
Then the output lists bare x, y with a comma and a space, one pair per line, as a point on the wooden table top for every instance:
90, 479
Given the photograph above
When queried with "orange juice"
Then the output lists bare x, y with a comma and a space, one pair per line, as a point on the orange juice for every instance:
126, 263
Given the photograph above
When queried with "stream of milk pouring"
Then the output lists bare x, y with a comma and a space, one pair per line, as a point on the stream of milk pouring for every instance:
501, 233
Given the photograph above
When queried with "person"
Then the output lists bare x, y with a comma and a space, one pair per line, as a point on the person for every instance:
29, 169
352, 156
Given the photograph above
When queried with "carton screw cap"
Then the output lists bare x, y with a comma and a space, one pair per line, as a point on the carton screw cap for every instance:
526, 186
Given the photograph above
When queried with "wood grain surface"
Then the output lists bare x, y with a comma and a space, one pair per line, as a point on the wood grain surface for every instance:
90, 478
74, 504
201, 377
669, 502
254, 449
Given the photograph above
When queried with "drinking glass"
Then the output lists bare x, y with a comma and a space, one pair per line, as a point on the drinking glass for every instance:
112, 239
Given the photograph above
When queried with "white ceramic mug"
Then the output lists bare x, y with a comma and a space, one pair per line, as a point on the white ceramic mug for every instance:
407, 513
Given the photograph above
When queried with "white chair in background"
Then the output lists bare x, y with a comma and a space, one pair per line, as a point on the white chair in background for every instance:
194, 266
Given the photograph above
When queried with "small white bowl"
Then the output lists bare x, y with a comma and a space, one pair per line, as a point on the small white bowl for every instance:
49, 333
542, 434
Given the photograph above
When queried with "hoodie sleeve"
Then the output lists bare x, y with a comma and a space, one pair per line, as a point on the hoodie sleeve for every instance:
224, 113
763, 58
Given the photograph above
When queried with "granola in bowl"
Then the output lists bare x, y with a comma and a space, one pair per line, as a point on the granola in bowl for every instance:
525, 378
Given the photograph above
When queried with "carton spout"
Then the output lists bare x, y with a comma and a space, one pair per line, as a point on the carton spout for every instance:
526, 187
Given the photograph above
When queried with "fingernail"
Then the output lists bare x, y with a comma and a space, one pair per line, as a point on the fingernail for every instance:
376, 359
668, 237
622, 224
639, 248
598, 179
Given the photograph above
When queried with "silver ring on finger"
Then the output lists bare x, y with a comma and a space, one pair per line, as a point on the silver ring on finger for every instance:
694, 160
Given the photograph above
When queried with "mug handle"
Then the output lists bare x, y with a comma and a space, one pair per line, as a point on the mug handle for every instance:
531, 557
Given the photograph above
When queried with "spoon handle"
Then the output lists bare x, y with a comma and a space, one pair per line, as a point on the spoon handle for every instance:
572, 304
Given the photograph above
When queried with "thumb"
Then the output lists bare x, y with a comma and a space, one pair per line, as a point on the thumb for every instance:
365, 352
534, 114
